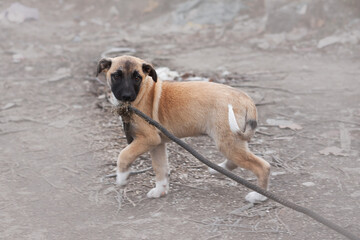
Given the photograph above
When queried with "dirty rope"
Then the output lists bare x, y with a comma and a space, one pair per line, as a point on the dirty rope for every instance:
242, 181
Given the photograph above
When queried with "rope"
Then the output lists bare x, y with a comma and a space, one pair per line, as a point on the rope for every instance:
242, 181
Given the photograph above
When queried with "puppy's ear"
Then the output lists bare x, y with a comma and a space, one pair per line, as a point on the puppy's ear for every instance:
103, 65
149, 70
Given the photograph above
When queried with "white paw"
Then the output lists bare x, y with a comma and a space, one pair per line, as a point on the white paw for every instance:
121, 177
214, 172
255, 197
161, 189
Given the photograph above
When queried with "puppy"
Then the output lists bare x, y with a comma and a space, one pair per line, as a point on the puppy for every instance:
186, 109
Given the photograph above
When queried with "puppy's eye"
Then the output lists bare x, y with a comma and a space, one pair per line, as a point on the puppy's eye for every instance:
137, 77
116, 74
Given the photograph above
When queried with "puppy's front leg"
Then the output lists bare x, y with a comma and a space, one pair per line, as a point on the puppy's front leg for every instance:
128, 155
161, 168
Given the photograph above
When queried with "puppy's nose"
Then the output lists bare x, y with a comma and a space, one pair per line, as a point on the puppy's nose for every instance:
126, 97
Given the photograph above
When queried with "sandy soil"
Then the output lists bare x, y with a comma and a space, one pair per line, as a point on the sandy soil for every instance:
58, 138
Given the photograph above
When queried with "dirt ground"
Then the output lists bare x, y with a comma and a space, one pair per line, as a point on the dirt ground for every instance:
58, 137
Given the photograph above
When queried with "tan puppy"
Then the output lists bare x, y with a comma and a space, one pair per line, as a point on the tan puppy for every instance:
186, 109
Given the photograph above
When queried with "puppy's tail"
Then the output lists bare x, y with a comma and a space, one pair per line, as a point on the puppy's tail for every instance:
248, 125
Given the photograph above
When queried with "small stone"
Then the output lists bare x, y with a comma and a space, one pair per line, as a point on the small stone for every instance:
263, 45
19, 13
301, 10
18, 57
308, 184
328, 41
8, 105
277, 173
97, 21
113, 11
355, 194
225, 73
333, 151
77, 39
77, 106
157, 214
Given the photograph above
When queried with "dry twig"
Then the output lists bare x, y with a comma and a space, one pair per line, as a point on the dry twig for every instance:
50, 183
213, 237
261, 87
131, 173
184, 185
90, 151
11, 132
297, 155
264, 133
125, 189
118, 198
281, 221
265, 103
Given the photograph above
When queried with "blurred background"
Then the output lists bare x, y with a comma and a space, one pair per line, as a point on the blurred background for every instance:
298, 60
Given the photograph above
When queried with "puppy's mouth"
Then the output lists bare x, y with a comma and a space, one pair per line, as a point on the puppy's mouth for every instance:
127, 100
118, 100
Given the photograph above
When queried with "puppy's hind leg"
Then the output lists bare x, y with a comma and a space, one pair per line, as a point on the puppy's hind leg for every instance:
261, 169
238, 153
160, 165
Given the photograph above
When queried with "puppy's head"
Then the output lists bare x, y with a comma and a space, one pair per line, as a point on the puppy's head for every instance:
125, 75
